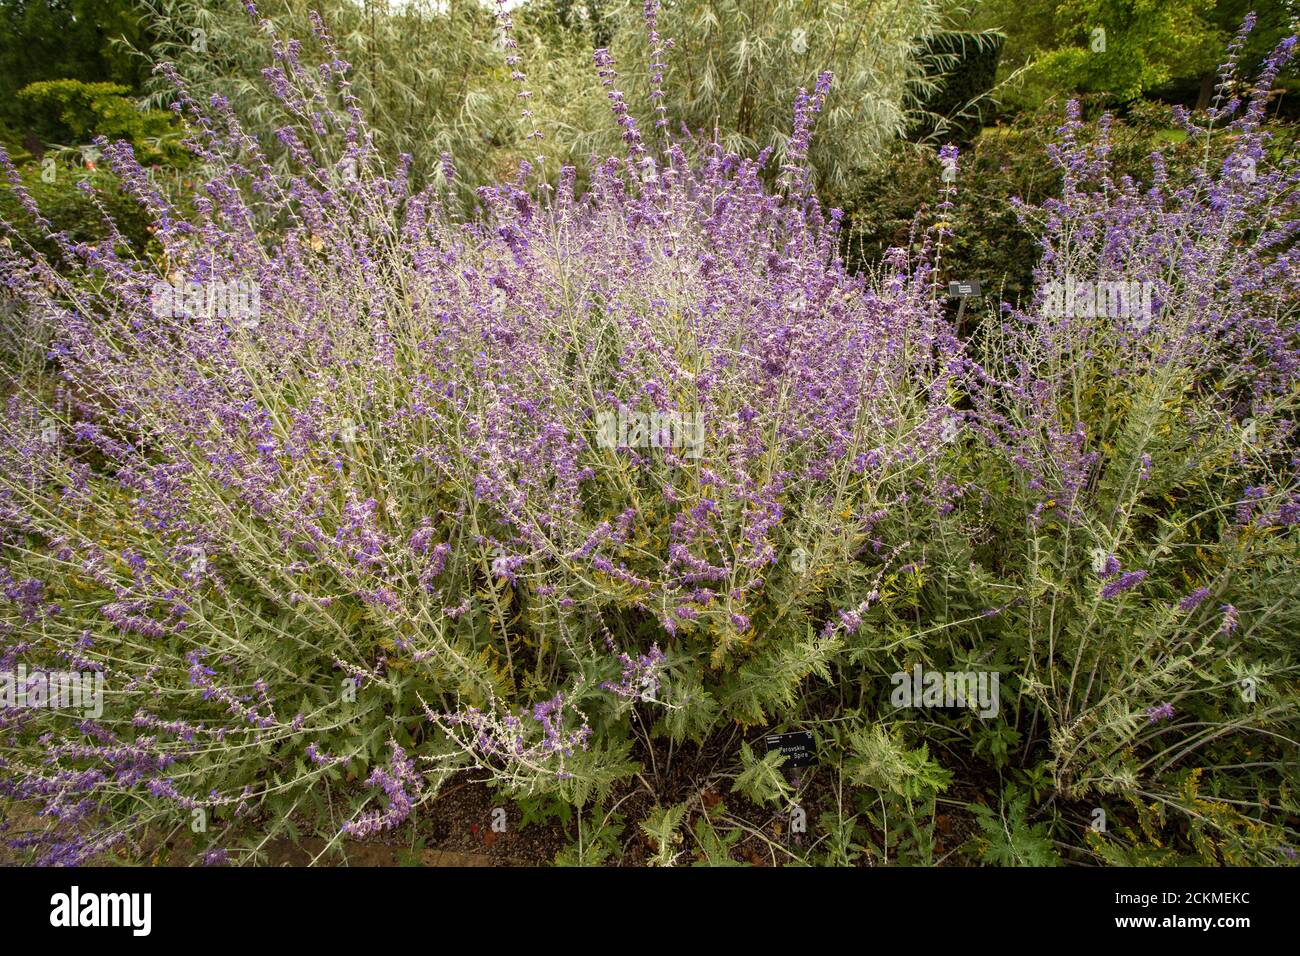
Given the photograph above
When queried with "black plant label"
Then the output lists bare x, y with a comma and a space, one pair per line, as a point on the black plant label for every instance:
798, 747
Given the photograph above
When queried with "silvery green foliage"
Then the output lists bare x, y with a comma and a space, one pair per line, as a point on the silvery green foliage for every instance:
736, 67
428, 74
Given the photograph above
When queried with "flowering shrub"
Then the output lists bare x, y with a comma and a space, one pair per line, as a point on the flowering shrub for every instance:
373, 534
1164, 444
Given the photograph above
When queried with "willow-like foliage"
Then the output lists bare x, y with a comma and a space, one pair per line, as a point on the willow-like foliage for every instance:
737, 65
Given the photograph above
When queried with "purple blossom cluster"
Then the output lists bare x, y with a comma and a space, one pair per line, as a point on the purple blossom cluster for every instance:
1160, 712
641, 675
401, 785
519, 744
1125, 581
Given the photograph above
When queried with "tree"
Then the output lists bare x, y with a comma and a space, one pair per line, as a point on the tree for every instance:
66, 39
70, 111
737, 67
1126, 48
430, 75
